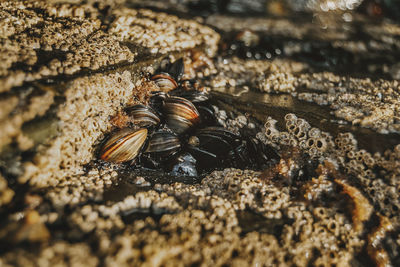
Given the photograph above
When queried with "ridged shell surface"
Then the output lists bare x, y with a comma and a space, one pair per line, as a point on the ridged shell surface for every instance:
123, 145
180, 114
194, 96
165, 82
163, 142
143, 116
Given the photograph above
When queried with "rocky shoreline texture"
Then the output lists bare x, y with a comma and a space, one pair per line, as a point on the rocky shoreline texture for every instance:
325, 98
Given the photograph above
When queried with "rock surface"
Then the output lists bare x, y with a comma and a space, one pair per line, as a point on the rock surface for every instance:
325, 90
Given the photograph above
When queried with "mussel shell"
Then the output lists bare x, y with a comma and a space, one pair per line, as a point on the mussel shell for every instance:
177, 123
207, 113
218, 141
143, 116
200, 101
165, 81
175, 70
123, 145
159, 95
163, 143
157, 100
193, 96
219, 133
180, 114
217, 147
205, 160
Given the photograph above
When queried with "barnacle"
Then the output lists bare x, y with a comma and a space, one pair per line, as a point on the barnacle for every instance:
318, 186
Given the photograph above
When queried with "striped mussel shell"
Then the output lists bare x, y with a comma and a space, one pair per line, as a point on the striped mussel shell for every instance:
195, 96
217, 146
163, 143
180, 114
217, 140
143, 116
157, 99
218, 132
123, 145
165, 81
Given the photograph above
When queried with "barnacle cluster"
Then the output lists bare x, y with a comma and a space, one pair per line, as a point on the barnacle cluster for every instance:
369, 103
299, 133
84, 44
321, 196
342, 153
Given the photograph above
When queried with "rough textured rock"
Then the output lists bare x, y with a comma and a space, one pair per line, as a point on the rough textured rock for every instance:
317, 94
88, 44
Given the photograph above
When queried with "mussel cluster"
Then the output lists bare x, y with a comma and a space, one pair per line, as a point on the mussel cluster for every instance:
178, 132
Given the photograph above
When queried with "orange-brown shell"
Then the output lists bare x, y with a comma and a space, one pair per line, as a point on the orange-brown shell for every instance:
124, 145
180, 114
165, 82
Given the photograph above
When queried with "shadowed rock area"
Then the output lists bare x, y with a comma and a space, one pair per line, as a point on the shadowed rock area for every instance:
320, 88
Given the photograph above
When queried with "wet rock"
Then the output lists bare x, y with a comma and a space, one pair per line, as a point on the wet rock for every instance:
324, 93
